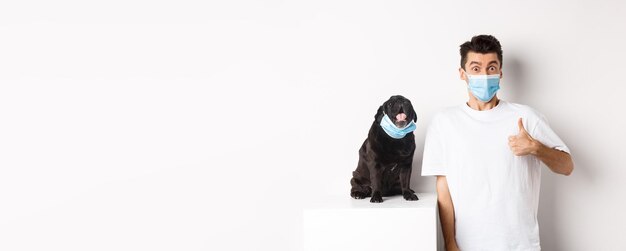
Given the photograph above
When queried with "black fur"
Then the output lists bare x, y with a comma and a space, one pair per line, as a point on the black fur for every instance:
385, 163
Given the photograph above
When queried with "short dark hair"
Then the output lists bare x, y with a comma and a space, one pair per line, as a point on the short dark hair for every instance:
482, 44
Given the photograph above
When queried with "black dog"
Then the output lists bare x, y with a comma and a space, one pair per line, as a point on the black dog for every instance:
385, 163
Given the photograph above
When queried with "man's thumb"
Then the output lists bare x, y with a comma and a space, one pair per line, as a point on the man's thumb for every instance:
521, 126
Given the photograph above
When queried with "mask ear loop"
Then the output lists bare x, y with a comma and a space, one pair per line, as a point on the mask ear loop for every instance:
467, 75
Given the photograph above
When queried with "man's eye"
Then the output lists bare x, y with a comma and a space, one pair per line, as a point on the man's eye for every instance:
492, 68
475, 69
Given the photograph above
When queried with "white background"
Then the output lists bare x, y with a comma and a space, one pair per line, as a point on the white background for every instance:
178, 125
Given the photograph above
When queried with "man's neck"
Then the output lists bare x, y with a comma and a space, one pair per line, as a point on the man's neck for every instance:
482, 106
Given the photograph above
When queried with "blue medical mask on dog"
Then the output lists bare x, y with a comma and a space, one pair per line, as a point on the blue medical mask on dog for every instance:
483, 87
393, 131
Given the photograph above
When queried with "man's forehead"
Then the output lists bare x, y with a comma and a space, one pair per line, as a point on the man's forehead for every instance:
480, 58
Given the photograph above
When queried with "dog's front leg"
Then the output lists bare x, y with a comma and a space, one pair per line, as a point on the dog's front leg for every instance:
405, 182
376, 183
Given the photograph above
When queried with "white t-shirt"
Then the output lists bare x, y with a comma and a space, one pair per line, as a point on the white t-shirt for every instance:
495, 193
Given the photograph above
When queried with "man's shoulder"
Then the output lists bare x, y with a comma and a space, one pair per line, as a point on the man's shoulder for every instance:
447, 113
525, 110
450, 111
518, 106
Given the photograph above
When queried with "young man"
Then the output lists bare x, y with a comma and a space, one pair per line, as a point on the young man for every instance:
486, 154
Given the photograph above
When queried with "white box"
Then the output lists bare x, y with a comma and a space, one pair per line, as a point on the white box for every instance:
344, 223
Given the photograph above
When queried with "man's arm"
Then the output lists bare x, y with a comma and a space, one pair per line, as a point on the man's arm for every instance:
523, 144
558, 161
446, 213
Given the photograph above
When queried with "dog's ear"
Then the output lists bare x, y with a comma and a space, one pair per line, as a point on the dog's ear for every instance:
379, 113
412, 111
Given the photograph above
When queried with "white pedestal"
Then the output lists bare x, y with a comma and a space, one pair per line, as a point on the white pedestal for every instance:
344, 223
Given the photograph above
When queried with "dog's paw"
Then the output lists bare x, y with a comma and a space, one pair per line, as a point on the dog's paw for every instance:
376, 198
409, 195
358, 195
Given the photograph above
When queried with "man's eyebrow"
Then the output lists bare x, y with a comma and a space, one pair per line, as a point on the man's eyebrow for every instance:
478, 63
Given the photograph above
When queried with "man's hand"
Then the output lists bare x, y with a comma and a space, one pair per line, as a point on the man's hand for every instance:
523, 144
452, 247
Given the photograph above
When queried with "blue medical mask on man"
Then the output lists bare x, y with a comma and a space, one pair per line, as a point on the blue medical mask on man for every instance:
393, 131
483, 87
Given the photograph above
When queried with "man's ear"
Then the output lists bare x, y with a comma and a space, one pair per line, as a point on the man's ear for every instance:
462, 74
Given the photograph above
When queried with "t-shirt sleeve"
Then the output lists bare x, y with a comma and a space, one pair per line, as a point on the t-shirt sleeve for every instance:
433, 159
544, 134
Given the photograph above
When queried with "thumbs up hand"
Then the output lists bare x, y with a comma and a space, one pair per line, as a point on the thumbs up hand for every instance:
523, 144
